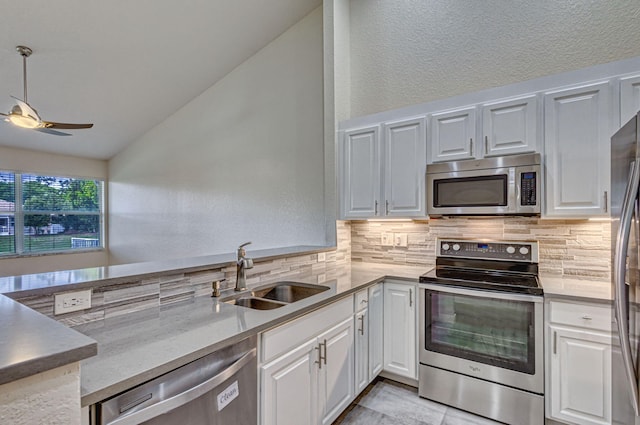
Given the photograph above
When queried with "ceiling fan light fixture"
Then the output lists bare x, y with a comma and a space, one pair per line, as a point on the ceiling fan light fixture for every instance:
24, 121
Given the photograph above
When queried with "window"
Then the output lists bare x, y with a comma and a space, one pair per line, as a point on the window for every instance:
55, 213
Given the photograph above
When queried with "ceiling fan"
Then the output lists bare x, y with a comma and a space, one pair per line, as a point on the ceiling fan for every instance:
23, 115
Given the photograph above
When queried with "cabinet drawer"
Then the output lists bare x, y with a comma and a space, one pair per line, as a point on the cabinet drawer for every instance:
279, 340
361, 300
583, 315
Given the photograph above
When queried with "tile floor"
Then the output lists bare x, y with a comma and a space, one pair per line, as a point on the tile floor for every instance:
389, 403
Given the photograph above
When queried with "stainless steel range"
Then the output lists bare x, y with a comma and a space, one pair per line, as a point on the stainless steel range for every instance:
481, 330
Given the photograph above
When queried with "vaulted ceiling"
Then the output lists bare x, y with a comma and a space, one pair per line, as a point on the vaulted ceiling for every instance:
125, 65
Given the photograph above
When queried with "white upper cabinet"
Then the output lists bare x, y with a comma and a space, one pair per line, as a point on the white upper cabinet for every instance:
405, 153
629, 98
361, 173
510, 127
452, 135
578, 127
384, 176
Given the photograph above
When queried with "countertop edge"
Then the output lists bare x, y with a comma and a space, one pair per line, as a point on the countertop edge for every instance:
42, 343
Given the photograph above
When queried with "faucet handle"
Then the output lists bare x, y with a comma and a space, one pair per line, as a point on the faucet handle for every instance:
248, 263
244, 244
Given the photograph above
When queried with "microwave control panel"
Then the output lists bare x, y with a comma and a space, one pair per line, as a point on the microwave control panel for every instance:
528, 183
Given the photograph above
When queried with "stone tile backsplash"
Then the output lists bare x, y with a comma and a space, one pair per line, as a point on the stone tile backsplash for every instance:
578, 249
570, 248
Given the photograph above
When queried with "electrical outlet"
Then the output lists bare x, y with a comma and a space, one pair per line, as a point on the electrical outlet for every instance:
386, 239
72, 301
322, 256
400, 239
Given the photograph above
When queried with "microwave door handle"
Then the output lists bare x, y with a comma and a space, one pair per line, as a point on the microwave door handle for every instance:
619, 272
514, 191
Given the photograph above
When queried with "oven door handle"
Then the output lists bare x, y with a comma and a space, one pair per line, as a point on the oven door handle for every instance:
482, 293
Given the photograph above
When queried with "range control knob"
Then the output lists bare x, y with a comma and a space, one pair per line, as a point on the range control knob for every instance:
524, 250
510, 250
456, 247
445, 247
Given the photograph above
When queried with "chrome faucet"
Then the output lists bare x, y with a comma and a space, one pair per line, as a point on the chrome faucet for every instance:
242, 264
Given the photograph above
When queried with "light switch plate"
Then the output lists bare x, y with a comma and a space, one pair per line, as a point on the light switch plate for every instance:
386, 239
72, 301
400, 239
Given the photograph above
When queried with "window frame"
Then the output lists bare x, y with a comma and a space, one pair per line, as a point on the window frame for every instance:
19, 215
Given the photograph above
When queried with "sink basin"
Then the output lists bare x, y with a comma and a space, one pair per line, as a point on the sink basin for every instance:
274, 296
255, 303
289, 292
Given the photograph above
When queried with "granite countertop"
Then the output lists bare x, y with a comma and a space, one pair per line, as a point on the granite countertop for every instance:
576, 289
32, 343
140, 346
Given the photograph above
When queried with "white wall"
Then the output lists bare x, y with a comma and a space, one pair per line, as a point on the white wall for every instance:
12, 159
241, 162
32, 400
415, 51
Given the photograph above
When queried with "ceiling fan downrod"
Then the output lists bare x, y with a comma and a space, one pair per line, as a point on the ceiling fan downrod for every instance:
25, 52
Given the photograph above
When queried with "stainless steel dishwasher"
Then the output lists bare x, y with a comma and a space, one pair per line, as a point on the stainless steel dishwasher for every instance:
220, 388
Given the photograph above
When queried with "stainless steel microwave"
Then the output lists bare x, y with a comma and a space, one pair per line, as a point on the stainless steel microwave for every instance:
505, 185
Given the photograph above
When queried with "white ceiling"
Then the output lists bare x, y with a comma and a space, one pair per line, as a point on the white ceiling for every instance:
125, 65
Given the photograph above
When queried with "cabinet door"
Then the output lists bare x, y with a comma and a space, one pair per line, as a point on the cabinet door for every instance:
362, 350
400, 329
580, 371
336, 381
629, 98
577, 133
289, 387
361, 173
375, 331
510, 127
405, 160
453, 135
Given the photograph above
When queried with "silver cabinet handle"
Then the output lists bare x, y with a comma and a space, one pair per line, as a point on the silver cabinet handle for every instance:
321, 358
410, 297
375, 211
587, 317
486, 145
325, 351
361, 319
471, 146
606, 201
387, 207
186, 396
555, 342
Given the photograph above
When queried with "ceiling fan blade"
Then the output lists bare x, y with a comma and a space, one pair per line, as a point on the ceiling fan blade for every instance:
48, 124
50, 131
26, 108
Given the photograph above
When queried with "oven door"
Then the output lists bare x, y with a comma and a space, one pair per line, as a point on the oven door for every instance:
495, 336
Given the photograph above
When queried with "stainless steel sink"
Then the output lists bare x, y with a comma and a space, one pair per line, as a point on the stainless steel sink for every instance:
289, 292
276, 295
255, 303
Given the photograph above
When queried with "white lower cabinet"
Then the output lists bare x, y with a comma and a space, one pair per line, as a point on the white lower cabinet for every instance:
400, 348
368, 335
579, 363
307, 367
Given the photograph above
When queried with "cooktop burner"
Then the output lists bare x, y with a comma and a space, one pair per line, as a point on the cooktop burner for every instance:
497, 266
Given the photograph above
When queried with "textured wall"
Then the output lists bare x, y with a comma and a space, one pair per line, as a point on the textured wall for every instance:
414, 51
32, 400
580, 249
242, 162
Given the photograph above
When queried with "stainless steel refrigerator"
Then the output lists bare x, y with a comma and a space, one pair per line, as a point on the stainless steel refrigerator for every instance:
625, 253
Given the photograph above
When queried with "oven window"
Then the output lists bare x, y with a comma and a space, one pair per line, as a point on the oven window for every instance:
493, 331
483, 191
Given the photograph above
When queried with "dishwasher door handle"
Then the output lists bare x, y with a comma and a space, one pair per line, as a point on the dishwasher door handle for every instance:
192, 393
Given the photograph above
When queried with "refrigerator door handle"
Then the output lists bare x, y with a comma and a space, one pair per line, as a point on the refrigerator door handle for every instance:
619, 272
